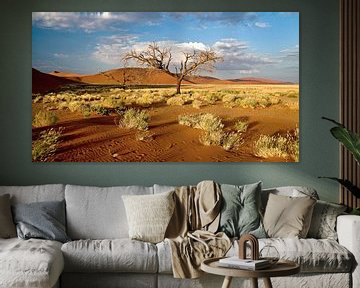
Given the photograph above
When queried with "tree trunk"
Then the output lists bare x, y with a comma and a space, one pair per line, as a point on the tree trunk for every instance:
178, 85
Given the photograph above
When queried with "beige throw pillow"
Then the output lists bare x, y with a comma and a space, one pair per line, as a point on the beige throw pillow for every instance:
288, 217
7, 226
148, 215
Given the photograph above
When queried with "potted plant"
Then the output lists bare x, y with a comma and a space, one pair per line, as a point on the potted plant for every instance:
351, 141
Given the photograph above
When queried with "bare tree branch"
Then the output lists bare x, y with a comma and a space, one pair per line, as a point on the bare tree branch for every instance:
155, 57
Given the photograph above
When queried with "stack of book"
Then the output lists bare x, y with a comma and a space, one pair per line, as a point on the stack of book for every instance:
248, 264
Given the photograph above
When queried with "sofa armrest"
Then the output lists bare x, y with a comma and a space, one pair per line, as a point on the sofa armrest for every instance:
348, 230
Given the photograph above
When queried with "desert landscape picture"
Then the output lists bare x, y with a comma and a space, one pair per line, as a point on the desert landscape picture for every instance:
165, 87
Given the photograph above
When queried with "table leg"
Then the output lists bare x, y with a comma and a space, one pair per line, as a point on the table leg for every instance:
267, 283
227, 282
254, 282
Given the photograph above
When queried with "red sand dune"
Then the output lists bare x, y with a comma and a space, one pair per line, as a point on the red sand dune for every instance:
133, 76
42, 82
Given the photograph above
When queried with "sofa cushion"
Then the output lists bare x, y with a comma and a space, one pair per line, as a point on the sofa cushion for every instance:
291, 191
313, 255
34, 193
287, 216
7, 227
30, 263
240, 210
117, 255
323, 222
149, 215
43, 220
98, 213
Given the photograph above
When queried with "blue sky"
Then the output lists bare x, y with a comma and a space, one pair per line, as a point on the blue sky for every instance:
252, 44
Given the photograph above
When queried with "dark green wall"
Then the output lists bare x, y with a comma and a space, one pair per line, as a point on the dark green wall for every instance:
319, 74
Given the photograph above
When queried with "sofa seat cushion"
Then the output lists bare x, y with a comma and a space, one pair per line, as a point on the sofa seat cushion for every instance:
313, 255
115, 255
30, 263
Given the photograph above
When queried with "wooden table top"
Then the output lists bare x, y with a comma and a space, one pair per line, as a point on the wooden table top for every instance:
281, 268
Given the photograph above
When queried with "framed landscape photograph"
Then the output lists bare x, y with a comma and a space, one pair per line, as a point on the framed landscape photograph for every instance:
165, 87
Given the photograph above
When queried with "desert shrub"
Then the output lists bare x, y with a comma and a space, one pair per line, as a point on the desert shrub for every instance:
292, 105
203, 121
113, 103
38, 98
144, 135
279, 146
86, 110
44, 118
231, 140
198, 104
101, 110
213, 134
46, 145
74, 106
227, 140
133, 118
211, 138
228, 98
241, 126
175, 101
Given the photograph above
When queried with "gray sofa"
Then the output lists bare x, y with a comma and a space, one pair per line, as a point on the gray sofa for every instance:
101, 254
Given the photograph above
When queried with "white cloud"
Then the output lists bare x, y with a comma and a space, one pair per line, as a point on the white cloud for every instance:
262, 25
89, 21
60, 55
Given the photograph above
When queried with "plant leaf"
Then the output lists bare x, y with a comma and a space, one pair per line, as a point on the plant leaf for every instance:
347, 184
348, 138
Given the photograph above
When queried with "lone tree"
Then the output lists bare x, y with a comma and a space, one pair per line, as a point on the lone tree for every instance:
161, 58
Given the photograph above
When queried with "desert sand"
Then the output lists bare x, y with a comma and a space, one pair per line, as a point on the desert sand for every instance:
98, 138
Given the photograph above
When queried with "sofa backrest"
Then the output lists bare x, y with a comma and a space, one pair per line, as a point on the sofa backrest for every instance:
98, 212
35, 193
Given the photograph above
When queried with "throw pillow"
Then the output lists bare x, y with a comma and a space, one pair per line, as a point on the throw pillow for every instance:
323, 222
288, 217
7, 227
43, 220
149, 215
240, 213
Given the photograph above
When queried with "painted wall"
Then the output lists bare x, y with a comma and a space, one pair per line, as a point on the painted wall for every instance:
319, 74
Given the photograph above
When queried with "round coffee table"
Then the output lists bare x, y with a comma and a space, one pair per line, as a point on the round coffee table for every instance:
281, 268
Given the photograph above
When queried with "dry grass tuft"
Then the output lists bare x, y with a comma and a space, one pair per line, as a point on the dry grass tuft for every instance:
135, 119
46, 145
44, 118
286, 147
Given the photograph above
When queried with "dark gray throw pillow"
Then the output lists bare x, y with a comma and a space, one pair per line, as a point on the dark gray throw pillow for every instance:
43, 220
240, 213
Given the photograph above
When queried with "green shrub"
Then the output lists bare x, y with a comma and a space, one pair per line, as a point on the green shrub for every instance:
44, 118
133, 118
46, 145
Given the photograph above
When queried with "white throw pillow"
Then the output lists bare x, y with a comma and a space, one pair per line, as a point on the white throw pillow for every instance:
149, 215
